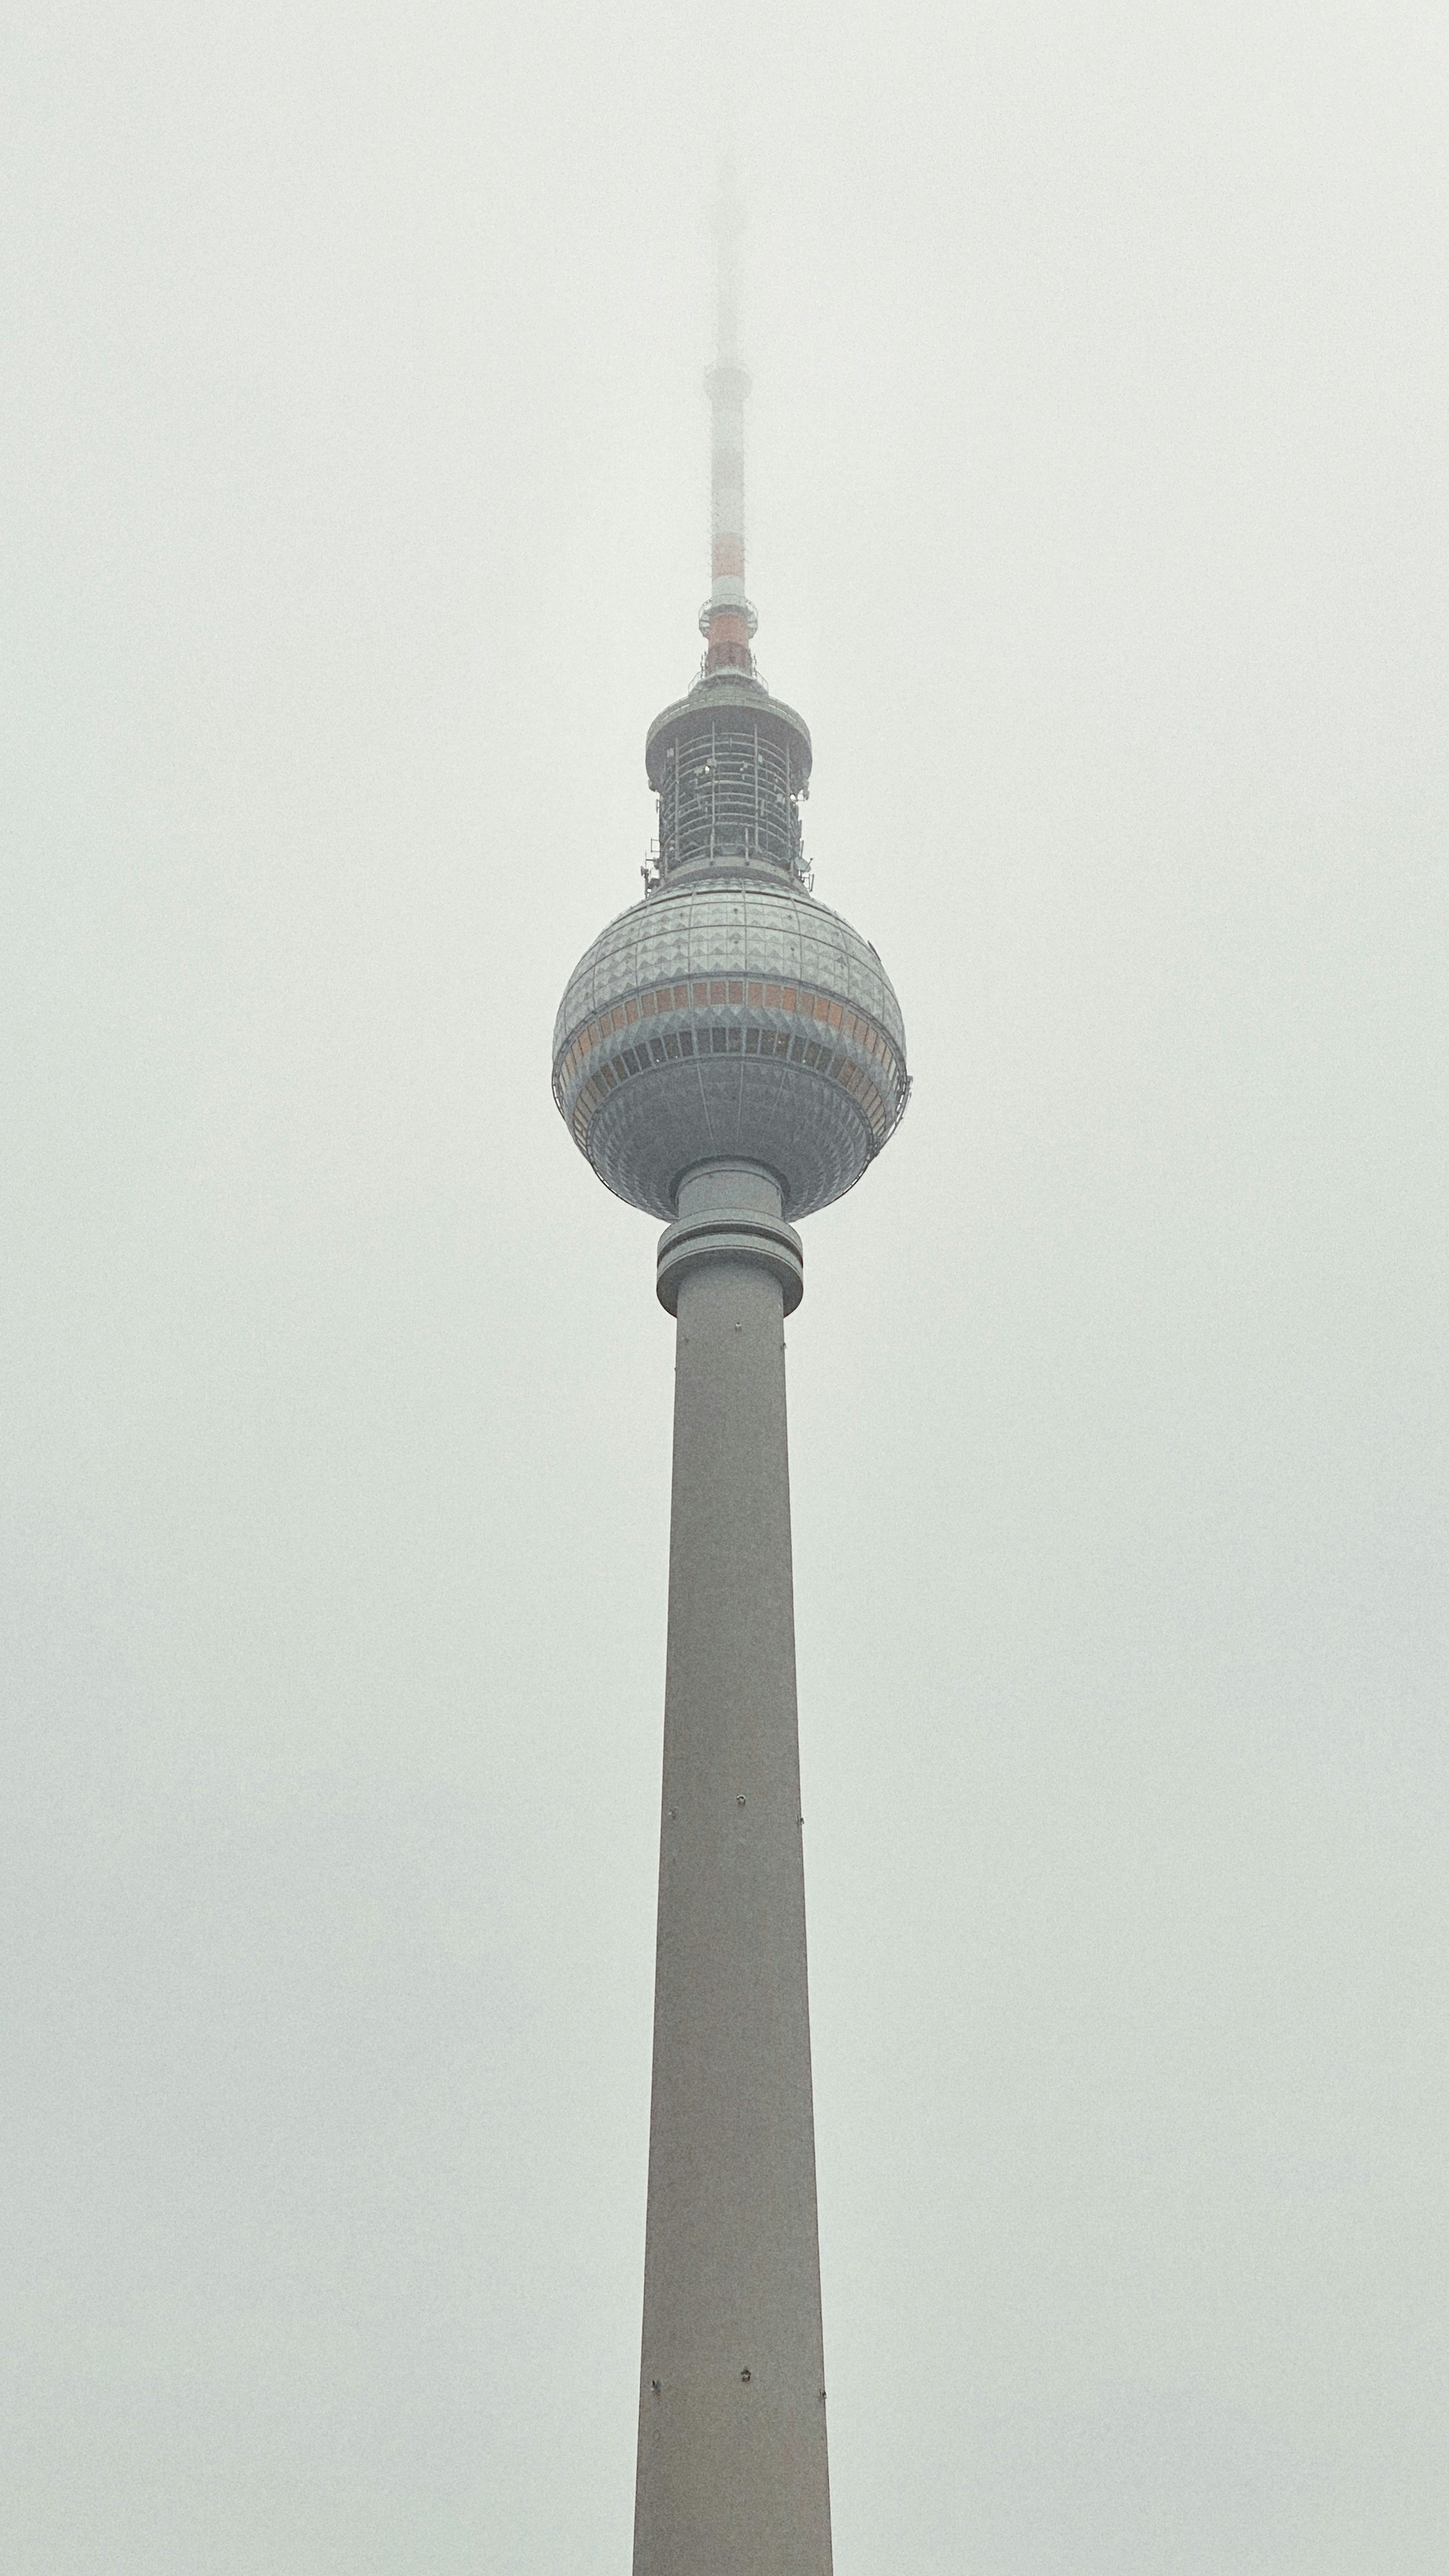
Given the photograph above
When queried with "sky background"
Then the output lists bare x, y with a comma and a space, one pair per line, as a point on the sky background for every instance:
355, 525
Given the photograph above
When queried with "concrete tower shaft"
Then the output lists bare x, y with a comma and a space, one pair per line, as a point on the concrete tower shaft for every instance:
732, 2477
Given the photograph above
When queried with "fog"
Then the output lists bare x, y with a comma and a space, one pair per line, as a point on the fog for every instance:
356, 525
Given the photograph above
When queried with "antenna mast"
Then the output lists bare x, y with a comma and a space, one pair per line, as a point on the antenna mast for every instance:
727, 621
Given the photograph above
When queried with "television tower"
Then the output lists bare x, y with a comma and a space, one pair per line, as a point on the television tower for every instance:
730, 1056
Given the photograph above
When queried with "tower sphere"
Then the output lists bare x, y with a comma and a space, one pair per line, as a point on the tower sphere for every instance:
729, 1016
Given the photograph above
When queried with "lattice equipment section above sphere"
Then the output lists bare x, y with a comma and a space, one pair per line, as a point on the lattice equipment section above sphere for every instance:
729, 766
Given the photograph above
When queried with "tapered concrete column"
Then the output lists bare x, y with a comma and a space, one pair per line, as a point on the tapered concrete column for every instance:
732, 2455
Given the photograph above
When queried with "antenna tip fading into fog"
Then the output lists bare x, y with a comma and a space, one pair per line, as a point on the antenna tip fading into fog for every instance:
727, 619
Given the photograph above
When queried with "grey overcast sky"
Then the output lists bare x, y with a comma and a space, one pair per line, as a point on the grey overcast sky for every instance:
354, 456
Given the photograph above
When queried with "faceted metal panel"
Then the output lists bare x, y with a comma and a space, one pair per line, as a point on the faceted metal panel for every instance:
730, 1019
733, 928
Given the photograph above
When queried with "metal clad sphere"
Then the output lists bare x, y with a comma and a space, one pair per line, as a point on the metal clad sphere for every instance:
734, 1018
